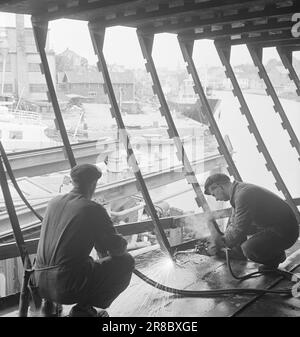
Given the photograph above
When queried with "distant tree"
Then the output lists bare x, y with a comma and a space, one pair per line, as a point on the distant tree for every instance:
63, 63
84, 63
69, 60
273, 63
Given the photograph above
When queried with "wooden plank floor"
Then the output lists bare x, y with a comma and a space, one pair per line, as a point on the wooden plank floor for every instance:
198, 272
194, 272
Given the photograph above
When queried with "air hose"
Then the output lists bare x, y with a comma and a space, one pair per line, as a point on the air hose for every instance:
16, 186
211, 293
179, 292
285, 273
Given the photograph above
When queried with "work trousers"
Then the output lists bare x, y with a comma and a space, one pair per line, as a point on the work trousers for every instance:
268, 247
108, 281
95, 284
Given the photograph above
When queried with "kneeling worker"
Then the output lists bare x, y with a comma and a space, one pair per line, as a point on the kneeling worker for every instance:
262, 225
72, 226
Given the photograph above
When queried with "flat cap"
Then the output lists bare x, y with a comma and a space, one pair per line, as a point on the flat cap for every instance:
85, 173
215, 179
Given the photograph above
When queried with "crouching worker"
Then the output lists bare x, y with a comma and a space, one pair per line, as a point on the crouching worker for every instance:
72, 226
262, 224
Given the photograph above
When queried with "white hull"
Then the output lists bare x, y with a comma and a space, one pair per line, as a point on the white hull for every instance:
23, 131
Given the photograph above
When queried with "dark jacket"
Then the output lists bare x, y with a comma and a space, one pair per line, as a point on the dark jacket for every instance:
257, 209
72, 226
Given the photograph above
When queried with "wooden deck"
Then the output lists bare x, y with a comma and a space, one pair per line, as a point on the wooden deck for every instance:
199, 272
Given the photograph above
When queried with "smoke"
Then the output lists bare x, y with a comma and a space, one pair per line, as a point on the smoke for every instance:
195, 228
198, 227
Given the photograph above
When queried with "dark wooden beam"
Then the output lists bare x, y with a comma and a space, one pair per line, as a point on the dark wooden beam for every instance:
224, 55
50, 160
9, 250
40, 30
199, 22
97, 33
292, 48
256, 55
126, 188
187, 53
228, 32
32, 231
146, 43
292, 44
166, 12
8, 303
264, 39
40, 8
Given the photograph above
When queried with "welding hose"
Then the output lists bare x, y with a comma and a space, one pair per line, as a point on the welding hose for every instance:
240, 278
211, 293
14, 182
186, 293
221, 292
244, 277
285, 273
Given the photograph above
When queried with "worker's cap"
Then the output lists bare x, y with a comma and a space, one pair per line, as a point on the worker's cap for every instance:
85, 174
217, 178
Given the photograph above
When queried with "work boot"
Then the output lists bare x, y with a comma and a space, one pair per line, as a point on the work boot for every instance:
267, 268
51, 309
87, 311
272, 266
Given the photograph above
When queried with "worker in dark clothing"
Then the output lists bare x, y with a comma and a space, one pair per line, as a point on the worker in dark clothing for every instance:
72, 226
262, 224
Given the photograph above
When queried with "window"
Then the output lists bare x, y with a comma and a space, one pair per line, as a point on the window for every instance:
34, 67
62, 86
15, 134
7, 67
8, 88
38, 88
29, 37
7, 63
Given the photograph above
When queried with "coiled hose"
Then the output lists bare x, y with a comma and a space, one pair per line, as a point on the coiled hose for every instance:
179, 292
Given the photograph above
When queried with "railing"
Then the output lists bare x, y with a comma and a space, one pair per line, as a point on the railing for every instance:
112, 191
10, 250
27, 116
127, 187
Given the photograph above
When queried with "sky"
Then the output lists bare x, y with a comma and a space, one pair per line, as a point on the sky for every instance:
121, 45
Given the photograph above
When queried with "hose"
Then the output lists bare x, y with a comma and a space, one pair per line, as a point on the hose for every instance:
14, 182
185, 293
244, 277
211, 293
284, 273
250, 275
